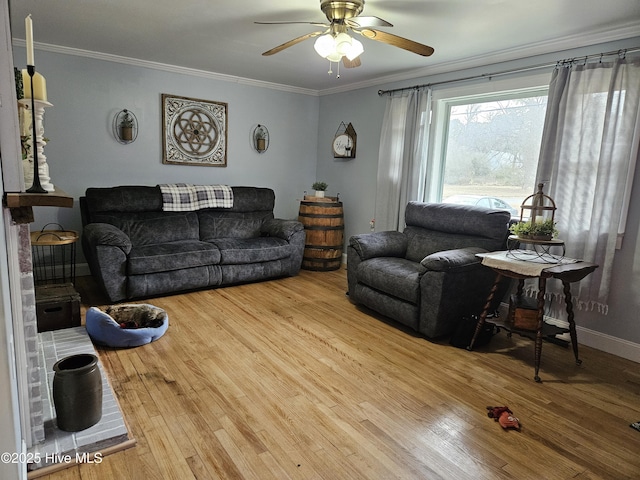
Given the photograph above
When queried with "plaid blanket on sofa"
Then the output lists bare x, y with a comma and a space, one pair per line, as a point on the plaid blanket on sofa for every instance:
183, 197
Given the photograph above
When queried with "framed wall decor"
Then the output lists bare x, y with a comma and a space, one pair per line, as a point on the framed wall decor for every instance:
344, 142
194, 132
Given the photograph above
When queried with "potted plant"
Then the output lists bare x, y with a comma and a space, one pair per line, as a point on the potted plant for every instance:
126, 127
545, 230
319, 187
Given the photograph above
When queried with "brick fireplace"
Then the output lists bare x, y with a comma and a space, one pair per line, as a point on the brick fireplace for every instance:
18, 215
30, 392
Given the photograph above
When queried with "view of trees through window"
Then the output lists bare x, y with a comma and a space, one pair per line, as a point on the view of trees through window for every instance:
492, 150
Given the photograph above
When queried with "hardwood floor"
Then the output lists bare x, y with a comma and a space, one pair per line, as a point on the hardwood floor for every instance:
287, 379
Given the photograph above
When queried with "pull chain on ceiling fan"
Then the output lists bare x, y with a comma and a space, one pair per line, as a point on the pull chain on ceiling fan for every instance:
335, 44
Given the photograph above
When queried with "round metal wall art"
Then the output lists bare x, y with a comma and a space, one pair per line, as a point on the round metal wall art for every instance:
194, 131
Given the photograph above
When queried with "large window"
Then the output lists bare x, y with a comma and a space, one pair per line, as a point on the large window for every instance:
486, 146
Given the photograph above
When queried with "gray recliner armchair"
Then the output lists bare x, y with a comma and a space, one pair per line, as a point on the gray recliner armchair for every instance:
428, 276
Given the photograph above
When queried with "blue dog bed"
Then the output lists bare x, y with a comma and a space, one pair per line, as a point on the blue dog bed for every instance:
105, 330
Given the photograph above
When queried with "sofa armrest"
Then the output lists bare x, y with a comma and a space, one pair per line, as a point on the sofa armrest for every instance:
278, 227
106, 248
453, 260
379, 244
108, 235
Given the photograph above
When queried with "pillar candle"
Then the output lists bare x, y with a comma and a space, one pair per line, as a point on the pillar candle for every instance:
39, 86
28, 26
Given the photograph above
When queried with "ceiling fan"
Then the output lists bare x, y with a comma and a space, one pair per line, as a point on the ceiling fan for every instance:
335, 44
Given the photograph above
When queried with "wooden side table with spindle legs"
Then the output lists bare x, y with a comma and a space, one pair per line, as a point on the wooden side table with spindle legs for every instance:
567, 273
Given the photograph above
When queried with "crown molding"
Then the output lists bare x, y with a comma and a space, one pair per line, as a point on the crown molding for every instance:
107, 57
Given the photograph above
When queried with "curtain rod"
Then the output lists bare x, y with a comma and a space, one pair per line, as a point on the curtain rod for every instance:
622, 52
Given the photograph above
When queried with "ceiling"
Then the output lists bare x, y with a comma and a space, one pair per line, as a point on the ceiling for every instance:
219, 36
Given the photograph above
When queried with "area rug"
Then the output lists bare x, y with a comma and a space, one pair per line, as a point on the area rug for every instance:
64, 449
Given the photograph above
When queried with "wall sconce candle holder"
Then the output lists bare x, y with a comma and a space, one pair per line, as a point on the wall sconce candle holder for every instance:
260, 138
125, 126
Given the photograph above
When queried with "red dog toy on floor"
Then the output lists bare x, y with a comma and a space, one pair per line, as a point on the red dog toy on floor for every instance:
504, 417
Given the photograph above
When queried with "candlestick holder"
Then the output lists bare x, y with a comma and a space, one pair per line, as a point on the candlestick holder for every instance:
37, 186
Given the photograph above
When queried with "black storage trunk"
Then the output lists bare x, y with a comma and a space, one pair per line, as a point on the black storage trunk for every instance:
57, 306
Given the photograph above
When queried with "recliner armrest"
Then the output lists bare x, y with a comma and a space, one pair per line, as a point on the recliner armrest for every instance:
449, 260
106, 234
278, 227
379, 244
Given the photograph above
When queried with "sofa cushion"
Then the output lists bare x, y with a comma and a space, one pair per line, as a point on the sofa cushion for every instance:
148, 228
253, 199
394, 276
424, 242
215, 224
164, 257
251, 272
251, 250
406, 313
161, 283
469, 220
126, 198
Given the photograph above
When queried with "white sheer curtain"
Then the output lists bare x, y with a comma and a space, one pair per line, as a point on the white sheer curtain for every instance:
401, 169
587, 161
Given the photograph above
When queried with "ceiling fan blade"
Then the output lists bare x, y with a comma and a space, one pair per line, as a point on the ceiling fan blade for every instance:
317, 24
351, 63
360, 22
291, 43
396, 41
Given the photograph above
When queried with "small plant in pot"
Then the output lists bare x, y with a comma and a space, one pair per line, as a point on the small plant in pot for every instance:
319, 187
545, 230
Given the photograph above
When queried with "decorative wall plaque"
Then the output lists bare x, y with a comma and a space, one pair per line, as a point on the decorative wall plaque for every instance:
344, 142
194, 132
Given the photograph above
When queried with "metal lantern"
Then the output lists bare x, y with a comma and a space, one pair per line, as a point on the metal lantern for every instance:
538, 208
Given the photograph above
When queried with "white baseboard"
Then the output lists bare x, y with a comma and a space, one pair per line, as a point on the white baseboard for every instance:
591, 338
607, 343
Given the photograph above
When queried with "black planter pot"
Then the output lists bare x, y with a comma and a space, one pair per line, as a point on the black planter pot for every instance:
77, 392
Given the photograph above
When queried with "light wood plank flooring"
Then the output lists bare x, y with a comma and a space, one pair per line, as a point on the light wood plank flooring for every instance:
287, 379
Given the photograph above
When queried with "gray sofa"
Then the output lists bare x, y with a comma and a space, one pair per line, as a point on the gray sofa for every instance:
135, 249
428, 276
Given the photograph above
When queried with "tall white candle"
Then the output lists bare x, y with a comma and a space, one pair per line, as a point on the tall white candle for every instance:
28, 26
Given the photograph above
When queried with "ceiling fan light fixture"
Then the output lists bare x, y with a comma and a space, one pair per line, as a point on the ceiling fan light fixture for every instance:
334, 57
333, 48
325, 45
355, 49
343, 43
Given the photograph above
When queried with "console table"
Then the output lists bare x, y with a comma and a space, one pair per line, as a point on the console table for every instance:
566, 270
